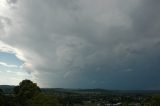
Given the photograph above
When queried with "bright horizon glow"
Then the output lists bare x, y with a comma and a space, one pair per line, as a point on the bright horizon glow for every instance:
13, 73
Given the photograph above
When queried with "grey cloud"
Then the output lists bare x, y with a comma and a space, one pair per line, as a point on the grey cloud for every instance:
4, 23
12, 1
88, 43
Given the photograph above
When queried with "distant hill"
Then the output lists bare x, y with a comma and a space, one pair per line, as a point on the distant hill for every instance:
63, 91
98, 91
7, 88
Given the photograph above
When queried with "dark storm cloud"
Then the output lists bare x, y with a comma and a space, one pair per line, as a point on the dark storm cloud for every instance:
88, 43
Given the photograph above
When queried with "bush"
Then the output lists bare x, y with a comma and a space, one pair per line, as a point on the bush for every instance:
43, 100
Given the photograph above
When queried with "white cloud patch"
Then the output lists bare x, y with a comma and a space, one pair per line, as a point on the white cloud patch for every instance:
8, 65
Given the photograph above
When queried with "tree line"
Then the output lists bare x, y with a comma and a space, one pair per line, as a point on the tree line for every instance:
27, 93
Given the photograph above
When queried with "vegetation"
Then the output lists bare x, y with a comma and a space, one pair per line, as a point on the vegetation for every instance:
28, 93
2, 100
43, 100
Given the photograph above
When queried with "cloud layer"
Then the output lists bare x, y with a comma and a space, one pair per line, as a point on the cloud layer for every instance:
112, 44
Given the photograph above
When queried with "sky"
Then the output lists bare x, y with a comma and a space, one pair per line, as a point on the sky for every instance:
111, 44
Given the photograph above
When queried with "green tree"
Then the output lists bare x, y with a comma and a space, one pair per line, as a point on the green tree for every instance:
43, 100
2, 99
25, 91
155, 101
1, 91
28, 93
125, 104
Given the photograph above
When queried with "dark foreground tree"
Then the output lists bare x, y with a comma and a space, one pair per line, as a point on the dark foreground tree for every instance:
25, 91
2, 100
43, 100
1, 91
153, 101
29, 94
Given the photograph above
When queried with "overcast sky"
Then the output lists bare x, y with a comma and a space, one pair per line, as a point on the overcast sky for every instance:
112, 44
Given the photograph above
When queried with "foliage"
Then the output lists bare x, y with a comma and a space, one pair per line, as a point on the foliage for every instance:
2, 100
29, 94
153, 101
125, 104
1, 91
25, 91
43, 100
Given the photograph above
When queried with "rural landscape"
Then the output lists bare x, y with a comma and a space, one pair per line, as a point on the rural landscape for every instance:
27, 93
79, 52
